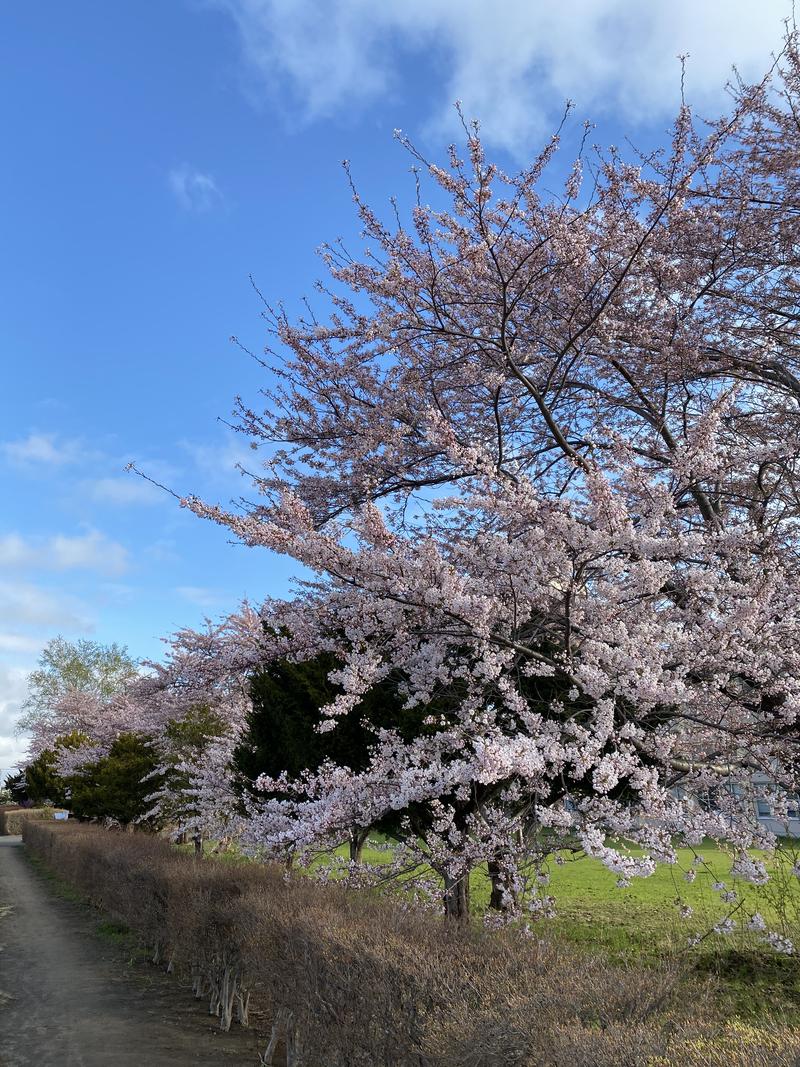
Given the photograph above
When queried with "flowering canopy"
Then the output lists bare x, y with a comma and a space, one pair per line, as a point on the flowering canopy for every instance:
541, 462
543, 455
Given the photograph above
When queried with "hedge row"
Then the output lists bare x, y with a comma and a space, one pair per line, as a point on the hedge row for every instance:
12, 819
348, 980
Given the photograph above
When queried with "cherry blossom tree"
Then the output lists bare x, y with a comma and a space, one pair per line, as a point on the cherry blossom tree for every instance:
193, 705
71, 681
542, 454
187, 709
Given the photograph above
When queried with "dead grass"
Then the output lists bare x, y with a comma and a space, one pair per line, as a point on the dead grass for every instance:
349, 980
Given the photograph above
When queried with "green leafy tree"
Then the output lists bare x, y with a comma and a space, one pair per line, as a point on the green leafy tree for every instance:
66, 666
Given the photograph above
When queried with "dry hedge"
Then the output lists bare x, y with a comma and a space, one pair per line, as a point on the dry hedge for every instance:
348, 980
12, 819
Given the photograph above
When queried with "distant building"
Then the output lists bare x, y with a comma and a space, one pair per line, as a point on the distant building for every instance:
789, 827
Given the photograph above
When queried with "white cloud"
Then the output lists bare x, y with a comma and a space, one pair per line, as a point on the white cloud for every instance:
123, 490
194, 190
200, 596
117, 592
43, 449
218, 462
10, 642
130, 488
13, 690
90, 551
12, 753
162, 551
30, 605
513, 62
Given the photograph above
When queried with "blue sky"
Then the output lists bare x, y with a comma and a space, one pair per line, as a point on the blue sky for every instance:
159, 152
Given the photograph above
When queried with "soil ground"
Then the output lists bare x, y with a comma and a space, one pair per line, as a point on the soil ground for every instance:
70, 997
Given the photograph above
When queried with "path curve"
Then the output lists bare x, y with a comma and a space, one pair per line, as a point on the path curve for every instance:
69, 998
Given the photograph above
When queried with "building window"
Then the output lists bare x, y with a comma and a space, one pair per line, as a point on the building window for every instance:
762, 808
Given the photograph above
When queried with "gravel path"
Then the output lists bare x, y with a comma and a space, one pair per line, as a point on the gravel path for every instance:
72, 998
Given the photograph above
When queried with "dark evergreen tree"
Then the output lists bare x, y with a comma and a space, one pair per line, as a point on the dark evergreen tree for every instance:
17, 787
118, 785
43, 784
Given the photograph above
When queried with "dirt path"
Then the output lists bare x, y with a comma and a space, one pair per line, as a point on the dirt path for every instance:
71, 998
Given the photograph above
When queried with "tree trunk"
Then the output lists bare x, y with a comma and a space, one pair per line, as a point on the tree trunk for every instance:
497, 901
456, 897
495, 877
197, 840
356, 841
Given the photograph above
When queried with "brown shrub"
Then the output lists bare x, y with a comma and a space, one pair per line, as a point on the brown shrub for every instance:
348, 980
12, 818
